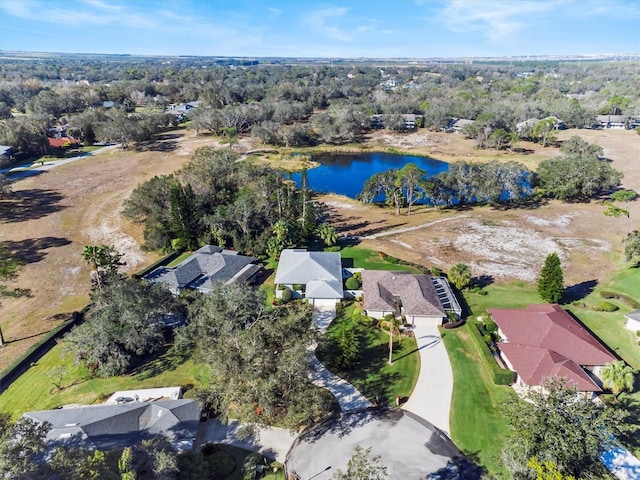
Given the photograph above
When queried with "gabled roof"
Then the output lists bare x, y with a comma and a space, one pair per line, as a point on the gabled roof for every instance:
547, 328
416, 292
207, 265
110, 427
321, 272
534, 364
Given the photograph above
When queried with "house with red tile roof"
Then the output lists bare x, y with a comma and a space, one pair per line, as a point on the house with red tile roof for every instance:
63, 142
544, 341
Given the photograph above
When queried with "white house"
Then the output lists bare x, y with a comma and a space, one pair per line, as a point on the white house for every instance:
315, 276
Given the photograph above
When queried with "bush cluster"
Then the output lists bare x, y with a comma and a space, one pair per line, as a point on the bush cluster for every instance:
605, 307
619, 296
499, 375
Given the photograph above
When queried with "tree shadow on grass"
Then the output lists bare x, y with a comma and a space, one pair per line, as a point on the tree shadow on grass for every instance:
578, 291
32, 250
157, 363
31, 204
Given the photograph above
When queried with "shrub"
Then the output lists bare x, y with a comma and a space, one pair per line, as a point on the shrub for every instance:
619, 296
604, 307
637, 333
333, 248
435, 272
392, 260
352, 283
287, 295
298, 286
499, 375
382, 255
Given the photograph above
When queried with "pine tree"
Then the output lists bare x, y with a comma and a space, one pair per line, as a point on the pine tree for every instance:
551, 281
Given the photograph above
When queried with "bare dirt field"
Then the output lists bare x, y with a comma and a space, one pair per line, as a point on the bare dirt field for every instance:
501, 244
51, 216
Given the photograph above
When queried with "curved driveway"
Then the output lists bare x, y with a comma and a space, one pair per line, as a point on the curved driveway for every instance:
431, 397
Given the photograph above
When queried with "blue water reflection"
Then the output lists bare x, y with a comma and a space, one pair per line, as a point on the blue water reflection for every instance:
345, 173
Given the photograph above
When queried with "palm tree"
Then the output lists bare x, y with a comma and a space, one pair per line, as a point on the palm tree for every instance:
327, 234
394, 328
93, 256
101, 257
460, 275
619, 377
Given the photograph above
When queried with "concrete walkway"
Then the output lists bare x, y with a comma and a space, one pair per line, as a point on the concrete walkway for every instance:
431, 398
271, 442
348, 396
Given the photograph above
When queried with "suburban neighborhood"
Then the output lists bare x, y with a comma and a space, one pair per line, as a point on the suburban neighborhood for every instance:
362, 241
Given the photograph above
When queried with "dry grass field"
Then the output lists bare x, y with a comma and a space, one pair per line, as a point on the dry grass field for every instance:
51, 216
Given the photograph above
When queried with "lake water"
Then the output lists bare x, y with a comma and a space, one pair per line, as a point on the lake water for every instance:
345, 173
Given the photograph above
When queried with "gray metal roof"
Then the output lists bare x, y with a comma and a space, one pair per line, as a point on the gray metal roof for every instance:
301, 266
321, 272
110, 427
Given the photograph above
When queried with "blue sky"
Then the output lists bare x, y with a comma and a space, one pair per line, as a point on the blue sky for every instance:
310, 28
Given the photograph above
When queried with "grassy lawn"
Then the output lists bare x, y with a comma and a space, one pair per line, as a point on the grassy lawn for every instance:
477, 427
369, 259
516, 294
609, 327
373, 375
35, 390
179, 259
628, 282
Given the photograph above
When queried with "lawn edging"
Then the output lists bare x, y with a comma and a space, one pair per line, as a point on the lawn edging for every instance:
499, 375
39, 349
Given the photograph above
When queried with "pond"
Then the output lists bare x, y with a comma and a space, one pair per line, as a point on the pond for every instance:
345, 173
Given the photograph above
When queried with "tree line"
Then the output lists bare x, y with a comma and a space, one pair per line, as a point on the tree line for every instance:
578, 174
304, 104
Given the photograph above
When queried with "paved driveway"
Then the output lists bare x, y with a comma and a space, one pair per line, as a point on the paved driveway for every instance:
431, 399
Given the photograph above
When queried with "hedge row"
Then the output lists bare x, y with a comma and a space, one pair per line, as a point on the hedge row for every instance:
38, 349
499, 375
619, 296
399, 261
163, 261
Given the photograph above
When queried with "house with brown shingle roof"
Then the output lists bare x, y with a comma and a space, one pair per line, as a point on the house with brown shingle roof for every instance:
401, 293
544, 341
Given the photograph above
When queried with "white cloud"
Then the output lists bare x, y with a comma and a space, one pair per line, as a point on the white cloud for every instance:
322, 22
89, 13
495, 19
274, 12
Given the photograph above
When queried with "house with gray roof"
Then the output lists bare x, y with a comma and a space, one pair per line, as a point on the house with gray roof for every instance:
206, 266
405, 294
315, 276
112, 427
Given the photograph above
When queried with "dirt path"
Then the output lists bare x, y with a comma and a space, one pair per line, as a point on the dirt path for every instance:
501, 244
53, 215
